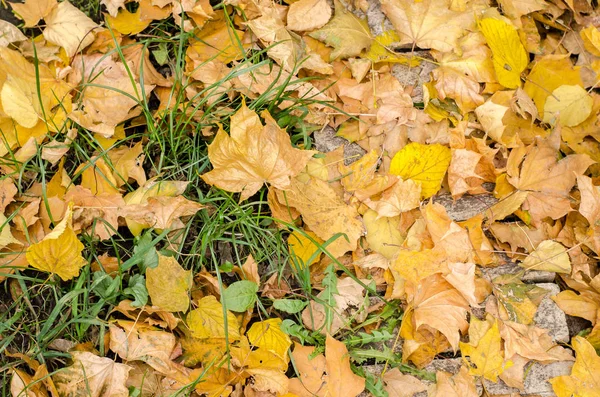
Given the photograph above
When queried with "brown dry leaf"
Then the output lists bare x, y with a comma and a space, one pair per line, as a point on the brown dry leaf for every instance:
8, 191
97, 213
306, 15
532, 343
168, 285
127, 162
415, 266
324, 212
139, 342
341, 381
253, 155
161, 212
349, 306
421, 22
398, 384
92, 375
462, 173
312, 380
437, 304
403, 196
462, 277
138, 57
459, 385
108, 96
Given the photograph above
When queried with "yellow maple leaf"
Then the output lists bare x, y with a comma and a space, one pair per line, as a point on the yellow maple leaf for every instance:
549, 256
59, 252
346, 33
584, 380
268, 335
427, 23
168, 285
509, 56
128, 22
218, 41
485, 350
383, 233
253, 155
424, 164
207, 321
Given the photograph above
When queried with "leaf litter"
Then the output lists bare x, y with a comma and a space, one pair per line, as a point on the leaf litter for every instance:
121, 138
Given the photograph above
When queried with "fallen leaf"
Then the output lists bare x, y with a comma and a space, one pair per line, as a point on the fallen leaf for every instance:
398, 384
548, 256
128, 23
459, 385
69, 27
424, 164
325, 213
253, 155
9, 33
508, 54
168, 285
420, 22
341, 381
485, 353
568, 105
59, 252
403, 196
306, 15
383, 234
92, 375
268, 335
345, 32
207, 321
31, 11
311, 368
303, 250
584, 379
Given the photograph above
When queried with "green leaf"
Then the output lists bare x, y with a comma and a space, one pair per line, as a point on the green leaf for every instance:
105, 286
137, 289
161, 55
240, 296
150, 258
291, 306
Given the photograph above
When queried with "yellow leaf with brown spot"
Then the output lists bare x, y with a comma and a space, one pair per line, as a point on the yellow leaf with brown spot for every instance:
168, 285
59, 252
508, 54
253, 155
424, 164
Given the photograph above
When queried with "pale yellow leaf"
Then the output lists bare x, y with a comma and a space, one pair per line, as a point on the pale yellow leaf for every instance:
550, 256
268, 335
306, 15
383, 233
69, 27
346, 33
9, 33
584, 380
568, 105
91, 375
398, 384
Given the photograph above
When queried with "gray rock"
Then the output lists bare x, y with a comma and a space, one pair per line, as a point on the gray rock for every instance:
536, 379
550, 317
377, 20
414, 76
509, 267
326, 140
465, 207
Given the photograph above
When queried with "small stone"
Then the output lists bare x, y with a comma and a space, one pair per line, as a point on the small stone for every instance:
550, 317
509, 267
465, 207
536, 379
326, 140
